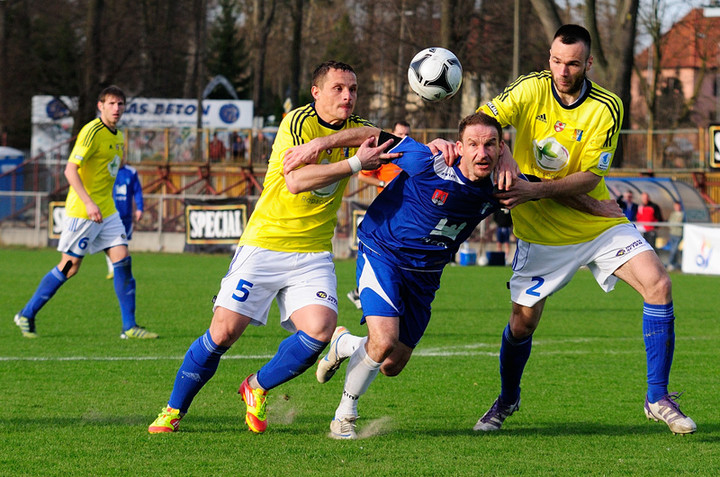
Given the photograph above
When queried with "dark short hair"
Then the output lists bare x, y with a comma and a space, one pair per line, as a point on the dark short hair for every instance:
481, 119
323, 68
111, 90
570, 34
401, 123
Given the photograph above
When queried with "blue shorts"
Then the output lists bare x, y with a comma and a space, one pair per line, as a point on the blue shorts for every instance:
503, 234
388, 290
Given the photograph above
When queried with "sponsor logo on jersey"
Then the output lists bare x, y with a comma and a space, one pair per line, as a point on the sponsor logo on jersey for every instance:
550, 155
605, 160
577, 135
492, 107
541, 118
439, 197
559, 126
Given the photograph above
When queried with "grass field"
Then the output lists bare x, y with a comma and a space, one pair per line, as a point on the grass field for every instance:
78, 400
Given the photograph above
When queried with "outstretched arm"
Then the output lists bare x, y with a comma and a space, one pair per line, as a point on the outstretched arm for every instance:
309, 152
316, 176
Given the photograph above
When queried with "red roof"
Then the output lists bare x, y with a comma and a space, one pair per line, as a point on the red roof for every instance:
690, 41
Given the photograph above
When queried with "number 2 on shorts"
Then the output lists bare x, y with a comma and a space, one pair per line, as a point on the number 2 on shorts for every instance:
539, 282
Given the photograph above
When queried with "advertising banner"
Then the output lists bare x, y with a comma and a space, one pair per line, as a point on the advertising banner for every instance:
214, 225
701, 250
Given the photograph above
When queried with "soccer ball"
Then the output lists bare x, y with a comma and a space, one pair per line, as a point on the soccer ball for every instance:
435, 74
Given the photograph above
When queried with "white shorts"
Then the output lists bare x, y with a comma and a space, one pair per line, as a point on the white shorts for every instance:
541, 270
257, 275
82, 237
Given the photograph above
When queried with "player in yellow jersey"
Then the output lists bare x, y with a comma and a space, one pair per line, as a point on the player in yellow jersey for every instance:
285, 253
92, 224
567, 132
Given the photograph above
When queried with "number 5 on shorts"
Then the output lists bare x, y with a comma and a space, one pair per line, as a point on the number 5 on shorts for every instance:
242, 291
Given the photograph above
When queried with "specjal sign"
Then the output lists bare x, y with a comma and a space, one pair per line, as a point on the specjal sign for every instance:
214, 223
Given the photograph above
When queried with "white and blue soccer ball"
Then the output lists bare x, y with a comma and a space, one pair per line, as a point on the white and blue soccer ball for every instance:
435, 74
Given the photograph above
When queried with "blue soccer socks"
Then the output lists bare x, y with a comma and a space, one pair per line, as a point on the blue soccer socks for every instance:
659, 336
295, 354
514, 354
200, 363
49, 284
125, 291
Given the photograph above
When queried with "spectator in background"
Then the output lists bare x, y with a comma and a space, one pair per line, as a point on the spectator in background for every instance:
627, 205
648, 212
503, 220
677, 217
238, 147
216, 149
261, 148
127, 189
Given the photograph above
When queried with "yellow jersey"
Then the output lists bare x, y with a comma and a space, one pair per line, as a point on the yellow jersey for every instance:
554, 140
98, 153
303, 222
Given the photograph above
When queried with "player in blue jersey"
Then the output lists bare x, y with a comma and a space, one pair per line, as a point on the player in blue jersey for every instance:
127, 189
409, 233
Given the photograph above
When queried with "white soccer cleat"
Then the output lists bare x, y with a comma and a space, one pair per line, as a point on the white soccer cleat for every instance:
668, 411
343, 428
329, 364
496, 415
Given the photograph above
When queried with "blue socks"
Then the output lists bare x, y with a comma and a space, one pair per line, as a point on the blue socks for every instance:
514, 355
295, 354
45, 290
659, 336
125, 291
200, 363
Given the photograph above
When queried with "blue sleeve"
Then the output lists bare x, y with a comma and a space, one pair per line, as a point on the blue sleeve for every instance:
137, 192
415, 157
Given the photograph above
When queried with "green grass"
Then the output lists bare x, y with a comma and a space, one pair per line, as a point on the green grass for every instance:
78, 400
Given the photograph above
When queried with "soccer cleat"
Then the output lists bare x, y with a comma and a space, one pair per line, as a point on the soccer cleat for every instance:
255, 415
167, 421
343, 428
26, 325
668, 411
110, 275
138, 332
330, 363
354, 297
494, 418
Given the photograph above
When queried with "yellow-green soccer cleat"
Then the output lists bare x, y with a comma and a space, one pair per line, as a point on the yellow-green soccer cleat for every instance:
138, 332
26, 325
167, 421
255, 400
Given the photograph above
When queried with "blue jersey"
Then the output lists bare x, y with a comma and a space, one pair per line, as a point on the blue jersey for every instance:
420, 219
127, 187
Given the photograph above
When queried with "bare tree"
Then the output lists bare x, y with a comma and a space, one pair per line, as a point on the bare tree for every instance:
263, 14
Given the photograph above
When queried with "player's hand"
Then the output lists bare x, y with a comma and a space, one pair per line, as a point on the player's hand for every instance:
448, 149
372, 157
507, 170
138, 215
296, 156
520, 192
93, 212
609, 208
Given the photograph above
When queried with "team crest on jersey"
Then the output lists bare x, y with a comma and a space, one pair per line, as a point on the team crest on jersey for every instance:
559, 126
439, 197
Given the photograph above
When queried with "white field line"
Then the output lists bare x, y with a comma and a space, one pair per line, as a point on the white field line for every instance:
472, 349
